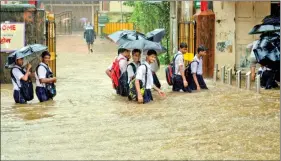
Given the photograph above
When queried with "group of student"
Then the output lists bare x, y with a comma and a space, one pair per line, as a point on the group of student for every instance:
136, 79
22, 84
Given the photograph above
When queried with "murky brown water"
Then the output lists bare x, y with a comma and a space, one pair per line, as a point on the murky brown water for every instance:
88, 121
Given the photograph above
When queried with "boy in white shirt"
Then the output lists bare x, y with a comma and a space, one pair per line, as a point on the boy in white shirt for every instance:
42, 75
133, 66
180, 82
18, 74
144, 79
195, 78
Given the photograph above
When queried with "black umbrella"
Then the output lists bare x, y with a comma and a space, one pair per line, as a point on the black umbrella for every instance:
29, 53
123, 36
156, 35
267, 51
262, 28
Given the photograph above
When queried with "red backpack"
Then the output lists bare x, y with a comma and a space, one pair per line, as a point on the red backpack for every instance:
170, 71
115, 72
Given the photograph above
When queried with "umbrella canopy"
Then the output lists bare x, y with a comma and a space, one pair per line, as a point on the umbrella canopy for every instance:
262, 28
29, 53
156, 35
124, 36
83, 19
143, 45
267, 51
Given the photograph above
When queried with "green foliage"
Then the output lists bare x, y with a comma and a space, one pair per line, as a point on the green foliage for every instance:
148, 16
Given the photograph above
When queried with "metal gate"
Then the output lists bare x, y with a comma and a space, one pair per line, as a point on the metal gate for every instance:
64, 23
51, 42
186, 33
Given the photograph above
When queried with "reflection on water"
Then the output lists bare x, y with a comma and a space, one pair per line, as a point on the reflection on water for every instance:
87, 120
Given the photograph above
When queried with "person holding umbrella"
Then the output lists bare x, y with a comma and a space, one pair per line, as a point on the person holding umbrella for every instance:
19, 77
89, 36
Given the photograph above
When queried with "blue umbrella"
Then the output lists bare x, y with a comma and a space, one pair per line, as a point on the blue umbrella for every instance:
29, 53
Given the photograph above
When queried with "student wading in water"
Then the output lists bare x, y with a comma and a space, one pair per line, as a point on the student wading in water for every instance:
144, 79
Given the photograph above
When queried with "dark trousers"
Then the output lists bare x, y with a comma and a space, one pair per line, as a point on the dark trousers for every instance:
178, 84
42, 94
123, 87
18, 97
200, 80
268, 80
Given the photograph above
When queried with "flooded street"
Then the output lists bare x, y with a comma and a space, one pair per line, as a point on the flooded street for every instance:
87, 120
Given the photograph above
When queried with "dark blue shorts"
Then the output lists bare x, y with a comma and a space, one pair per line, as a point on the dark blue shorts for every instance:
42, 94
18, 97
178, 84
147, 97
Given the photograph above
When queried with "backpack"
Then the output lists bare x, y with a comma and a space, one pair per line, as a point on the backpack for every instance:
132, 87
116, 73
26, 88
49, 87
170, 71
187, 70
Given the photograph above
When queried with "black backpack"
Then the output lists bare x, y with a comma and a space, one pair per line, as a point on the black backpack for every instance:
187, 71
26, 88
50, 87
170, 72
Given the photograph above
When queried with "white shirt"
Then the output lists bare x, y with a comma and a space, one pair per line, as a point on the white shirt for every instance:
252, 46
178, 62
141, 75
41, 74
130, 71
18, 75
195, 67
122, 63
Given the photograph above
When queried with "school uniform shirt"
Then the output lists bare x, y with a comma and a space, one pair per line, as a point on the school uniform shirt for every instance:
141, 75
18, 75
130, 71
41, 74
122, 63
197, 67
178, 62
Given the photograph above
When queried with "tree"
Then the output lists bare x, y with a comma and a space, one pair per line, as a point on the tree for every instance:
148, 16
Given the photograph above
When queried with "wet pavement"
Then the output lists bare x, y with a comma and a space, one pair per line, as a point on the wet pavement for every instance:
87, 120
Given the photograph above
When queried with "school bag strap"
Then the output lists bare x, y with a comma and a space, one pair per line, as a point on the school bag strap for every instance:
12, 75
145, 77
47, 73
174, 60
133, 66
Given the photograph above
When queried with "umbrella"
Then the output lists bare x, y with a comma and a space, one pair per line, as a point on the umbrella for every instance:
84, 19
261, 28
271, 20
156, 35
143, 45
29, 53
124, 36
267, 51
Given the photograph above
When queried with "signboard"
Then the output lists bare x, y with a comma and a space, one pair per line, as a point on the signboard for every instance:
12, 36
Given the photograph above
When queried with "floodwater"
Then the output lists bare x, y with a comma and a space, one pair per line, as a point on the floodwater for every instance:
87, 120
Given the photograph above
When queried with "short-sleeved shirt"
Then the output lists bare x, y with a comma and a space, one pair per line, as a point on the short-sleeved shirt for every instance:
41, 74
122, 63
178, 62
197, 65
141, 75
18, 75
130, 71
